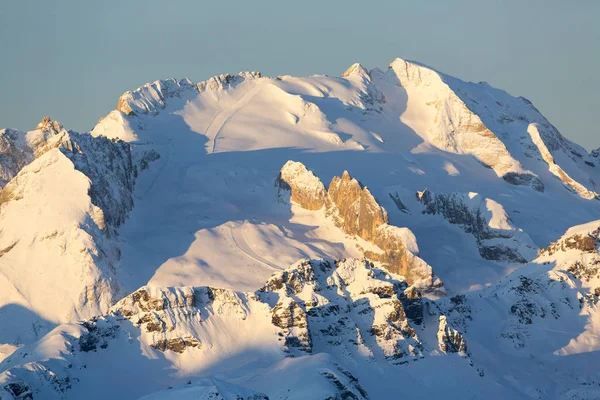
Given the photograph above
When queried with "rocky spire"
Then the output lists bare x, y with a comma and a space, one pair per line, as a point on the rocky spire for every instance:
49, 125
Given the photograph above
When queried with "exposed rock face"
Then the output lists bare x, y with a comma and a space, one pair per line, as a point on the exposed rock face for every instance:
19, 390
306, 189
355, 211
108, 165
352, 390
345, 304
449, 339
292, 319
486, 220
225, 81
162, 314
585, 242
354, 208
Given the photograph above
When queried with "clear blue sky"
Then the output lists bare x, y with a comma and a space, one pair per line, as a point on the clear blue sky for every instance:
73, 59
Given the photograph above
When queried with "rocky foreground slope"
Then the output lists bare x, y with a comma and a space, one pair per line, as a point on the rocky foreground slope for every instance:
154, 252
371, 325
347, 308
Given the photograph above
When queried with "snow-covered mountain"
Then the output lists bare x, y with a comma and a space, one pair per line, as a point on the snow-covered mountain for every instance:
386, 231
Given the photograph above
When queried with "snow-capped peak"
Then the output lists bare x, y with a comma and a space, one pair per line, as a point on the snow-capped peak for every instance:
356, 69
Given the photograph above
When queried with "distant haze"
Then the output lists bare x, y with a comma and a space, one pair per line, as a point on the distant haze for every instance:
72, 60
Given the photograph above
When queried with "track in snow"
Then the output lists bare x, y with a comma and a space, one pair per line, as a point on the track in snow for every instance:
219, 120
237, 235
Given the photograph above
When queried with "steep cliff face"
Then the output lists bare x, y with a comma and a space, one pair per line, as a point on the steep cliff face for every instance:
354, 209
356, 212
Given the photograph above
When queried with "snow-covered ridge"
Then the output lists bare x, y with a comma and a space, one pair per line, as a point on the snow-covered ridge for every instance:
152, 97
60, 215
534, 130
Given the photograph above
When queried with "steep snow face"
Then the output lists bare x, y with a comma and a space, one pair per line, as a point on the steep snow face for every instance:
534, 130
59, 217
438, 114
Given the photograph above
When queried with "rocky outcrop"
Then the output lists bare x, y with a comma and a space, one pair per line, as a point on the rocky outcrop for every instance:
17, 149
449, 339
163, 315
486, 220
352, 390
225, 81
346, 304
19, 390
355, 211
302, 185
585, 241
292, 320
